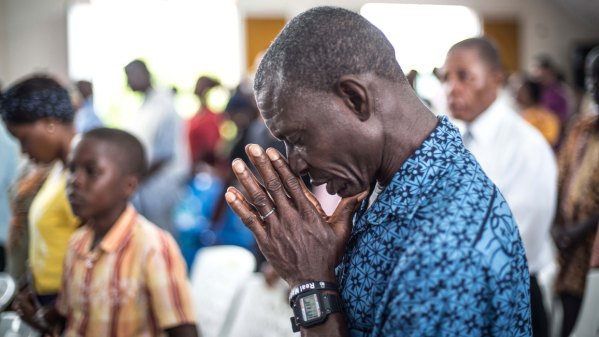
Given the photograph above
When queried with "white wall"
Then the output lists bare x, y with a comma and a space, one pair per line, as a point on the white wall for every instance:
33, 32
33, 38
2, 44
552, 30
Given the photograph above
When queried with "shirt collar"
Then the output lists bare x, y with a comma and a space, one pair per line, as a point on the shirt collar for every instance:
115, 238
484, 127
416, 177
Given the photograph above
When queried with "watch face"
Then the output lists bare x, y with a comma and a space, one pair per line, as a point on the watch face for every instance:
310, 308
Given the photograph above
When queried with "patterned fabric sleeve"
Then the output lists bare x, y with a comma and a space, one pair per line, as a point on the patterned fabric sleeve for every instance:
167, 284
565, 158
445, 293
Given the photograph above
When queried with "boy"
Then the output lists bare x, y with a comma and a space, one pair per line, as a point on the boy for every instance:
123, 275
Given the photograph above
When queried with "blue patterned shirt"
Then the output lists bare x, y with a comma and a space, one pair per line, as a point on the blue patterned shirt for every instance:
438, 253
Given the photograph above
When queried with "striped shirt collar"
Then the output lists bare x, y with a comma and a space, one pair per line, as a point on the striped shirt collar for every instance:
116, 237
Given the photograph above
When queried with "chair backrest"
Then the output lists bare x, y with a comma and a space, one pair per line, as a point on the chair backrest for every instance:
216, 274
12, 326
587, 324
7, 290
259, 311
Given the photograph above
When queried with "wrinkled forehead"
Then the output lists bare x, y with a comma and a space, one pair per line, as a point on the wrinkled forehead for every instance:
271, 108
278, 106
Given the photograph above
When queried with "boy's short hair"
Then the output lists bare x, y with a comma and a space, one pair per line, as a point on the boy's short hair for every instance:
126, 149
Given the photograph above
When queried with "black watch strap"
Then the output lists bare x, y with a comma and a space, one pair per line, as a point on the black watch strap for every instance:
308, 286
331, 303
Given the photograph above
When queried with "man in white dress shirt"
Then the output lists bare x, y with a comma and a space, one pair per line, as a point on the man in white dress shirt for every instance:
160, 129
513, 154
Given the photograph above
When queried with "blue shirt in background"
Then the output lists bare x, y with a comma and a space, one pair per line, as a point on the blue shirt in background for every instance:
438, 253
9, 158
86, 117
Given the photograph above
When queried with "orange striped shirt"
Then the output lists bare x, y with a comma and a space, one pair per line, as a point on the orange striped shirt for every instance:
134, 282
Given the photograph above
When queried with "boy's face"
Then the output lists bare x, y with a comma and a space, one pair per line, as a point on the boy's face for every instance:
97, 186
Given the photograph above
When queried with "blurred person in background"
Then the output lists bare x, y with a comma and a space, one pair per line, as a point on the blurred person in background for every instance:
30, 179
38, 112
256, 131
160, 129
86, 117
203, 128
9, 157
511, 152
528, 98
578, 209
554, 95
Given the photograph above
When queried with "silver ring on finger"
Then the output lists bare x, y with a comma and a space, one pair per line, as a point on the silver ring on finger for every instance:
271, 212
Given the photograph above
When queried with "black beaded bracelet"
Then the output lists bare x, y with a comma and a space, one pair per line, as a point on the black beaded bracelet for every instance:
307, 286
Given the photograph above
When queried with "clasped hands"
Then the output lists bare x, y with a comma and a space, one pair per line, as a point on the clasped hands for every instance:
293, 232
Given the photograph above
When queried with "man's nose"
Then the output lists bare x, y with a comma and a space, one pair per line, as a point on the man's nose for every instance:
450, 87
297, 164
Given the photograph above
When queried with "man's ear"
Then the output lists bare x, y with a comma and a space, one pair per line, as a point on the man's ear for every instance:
354, 94
131, 184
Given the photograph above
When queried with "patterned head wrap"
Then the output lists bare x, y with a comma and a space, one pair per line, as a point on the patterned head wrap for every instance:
36, 98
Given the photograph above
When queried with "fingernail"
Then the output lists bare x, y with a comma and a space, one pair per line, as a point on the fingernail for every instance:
272, 154
255, 150
238, 165
230, 196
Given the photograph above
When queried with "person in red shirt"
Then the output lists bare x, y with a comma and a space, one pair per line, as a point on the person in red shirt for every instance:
203, 128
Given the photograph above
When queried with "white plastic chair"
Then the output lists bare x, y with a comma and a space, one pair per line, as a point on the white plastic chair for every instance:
587, 324
259, 311
12, 326
7, 290
216, 275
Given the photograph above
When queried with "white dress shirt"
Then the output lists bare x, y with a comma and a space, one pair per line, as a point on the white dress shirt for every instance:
162, 132
516, 157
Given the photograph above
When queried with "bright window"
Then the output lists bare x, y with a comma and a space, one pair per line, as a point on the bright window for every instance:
422, 34
179, 40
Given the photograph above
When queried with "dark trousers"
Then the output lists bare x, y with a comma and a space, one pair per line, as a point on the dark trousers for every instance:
540, 324
571, 307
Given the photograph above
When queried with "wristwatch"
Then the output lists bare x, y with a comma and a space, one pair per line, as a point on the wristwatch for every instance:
307, 286
312, 307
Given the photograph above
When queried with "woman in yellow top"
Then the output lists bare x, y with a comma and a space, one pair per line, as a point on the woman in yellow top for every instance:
38, 112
